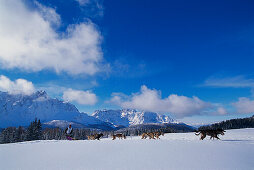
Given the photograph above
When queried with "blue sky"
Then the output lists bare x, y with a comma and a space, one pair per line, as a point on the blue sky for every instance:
146, 55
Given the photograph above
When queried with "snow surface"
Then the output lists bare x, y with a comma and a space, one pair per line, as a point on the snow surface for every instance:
173, 151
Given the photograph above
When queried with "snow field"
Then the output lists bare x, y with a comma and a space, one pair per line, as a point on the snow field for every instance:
173, 151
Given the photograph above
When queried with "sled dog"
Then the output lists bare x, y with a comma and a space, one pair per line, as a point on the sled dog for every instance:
95, 136
213, 133
119, 135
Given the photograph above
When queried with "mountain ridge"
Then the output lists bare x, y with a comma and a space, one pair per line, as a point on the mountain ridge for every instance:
20, 110
127, 117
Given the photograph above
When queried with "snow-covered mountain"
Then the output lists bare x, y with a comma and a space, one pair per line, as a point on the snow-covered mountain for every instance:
20, 110
127, 117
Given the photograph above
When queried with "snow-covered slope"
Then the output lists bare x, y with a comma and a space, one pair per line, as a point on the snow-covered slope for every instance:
181, 151
20, 110
128, 117
64, 123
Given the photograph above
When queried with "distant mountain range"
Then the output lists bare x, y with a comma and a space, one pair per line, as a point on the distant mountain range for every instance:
20, 110
127, 117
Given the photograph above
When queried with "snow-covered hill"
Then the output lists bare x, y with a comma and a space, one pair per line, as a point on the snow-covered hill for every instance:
181, 151
62, 124
127, 117
20, 110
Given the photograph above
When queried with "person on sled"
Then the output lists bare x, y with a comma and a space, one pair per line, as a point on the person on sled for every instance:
69, 132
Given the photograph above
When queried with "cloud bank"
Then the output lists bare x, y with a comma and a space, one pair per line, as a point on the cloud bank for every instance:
151, 100
244, 105
81, 97
29, 41
22, 86
19, 86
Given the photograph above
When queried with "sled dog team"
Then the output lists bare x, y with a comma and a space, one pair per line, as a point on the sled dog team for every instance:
98, 136
151, 135
213, 133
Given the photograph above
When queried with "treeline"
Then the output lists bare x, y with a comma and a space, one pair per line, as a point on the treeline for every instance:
80, 134
13, 134
35, 132
232, 124
140, 131
136, 130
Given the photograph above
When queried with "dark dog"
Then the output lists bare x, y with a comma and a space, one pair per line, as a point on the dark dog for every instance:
95, 136
98, 136
213, 133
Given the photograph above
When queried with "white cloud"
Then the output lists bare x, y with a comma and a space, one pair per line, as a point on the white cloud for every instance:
19, 86
81, 97
235, 82
151, 100
49, 14
244, 105
30, 42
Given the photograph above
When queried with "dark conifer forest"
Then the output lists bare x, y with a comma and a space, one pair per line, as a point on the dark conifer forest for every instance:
232, 124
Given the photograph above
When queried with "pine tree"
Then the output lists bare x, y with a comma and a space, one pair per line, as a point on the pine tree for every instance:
8, 135
4, 137
29, 132
19, 134
34, 131
38, 130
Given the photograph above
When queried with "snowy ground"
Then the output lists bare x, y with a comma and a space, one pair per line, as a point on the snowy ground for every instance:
173, 151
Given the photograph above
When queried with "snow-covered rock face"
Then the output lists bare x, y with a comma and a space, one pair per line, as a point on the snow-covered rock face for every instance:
127, 117
20, 110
